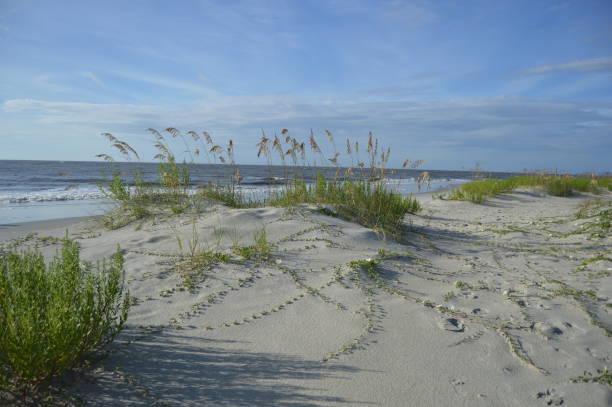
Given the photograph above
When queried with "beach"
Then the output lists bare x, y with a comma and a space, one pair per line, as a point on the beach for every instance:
33, 191
505, 303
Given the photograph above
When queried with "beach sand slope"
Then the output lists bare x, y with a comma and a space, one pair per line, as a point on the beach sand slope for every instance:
506, 303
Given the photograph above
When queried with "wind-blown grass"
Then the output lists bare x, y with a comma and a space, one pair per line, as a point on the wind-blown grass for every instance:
479, 190
356, 193
54, 316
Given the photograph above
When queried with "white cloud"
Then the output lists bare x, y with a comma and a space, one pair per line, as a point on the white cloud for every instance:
584, 65
504, 130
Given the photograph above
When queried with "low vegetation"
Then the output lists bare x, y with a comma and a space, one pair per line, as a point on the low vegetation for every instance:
53, 317
603, 376
260, 250
479, 190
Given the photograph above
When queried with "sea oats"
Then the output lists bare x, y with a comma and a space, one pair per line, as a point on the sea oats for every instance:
207, 137
105, 157
195, 136
174, 132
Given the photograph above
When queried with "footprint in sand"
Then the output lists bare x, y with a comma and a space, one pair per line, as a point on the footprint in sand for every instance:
457, 383
547, 330
451, 324
550, 398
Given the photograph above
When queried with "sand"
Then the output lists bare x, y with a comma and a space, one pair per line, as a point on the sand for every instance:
500, 304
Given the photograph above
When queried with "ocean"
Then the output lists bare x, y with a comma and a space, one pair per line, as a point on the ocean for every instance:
44, 190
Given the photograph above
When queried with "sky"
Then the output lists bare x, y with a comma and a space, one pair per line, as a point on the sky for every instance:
507, 85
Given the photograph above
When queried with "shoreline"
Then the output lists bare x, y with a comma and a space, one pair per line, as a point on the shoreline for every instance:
481, 305
49, 227
29, 226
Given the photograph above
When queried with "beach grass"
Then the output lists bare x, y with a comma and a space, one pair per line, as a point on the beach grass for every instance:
260, 250
479, 190
55, 316
367, 203
357, 194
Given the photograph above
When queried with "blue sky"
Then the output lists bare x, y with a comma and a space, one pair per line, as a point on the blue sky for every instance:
506, 84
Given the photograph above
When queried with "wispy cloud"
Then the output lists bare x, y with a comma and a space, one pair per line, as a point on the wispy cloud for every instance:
397, 92
584, 65
507, 128
340, 64
78, 112
157, 80
93, 77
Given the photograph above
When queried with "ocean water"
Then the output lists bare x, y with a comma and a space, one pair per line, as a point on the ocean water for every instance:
44, 190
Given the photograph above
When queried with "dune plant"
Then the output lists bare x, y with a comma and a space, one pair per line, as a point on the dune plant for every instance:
196, 256
363, 196
479, 190
368, 203
259, 250
53, 316
136, 196
229, 195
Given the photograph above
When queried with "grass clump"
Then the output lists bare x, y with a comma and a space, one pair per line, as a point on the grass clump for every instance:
260, 250
195, 260
54, 316
227, 194
366, 202
449, 295
478, 191
369, 265
138, 198
192, 270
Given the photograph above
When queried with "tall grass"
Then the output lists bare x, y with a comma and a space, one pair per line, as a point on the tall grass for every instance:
54, 316
365, 202
356, 193
135, 196
566, 185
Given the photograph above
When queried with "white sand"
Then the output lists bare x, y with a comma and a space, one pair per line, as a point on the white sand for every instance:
306, 330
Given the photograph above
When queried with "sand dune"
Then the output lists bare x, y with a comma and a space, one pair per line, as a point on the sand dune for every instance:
501, 304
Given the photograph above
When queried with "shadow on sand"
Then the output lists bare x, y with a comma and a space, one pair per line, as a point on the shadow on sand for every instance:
188, 370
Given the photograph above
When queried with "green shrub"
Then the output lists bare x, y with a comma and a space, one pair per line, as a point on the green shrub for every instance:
52, 316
